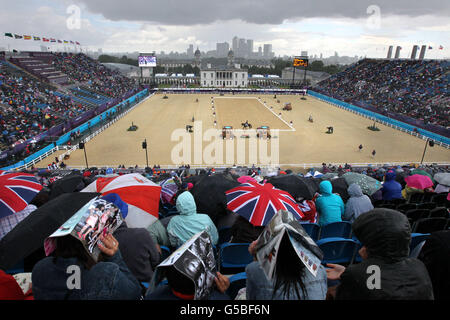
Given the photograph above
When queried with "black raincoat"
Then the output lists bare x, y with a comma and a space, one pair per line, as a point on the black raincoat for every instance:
386, 234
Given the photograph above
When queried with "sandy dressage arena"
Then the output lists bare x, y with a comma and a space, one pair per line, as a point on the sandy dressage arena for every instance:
163, 123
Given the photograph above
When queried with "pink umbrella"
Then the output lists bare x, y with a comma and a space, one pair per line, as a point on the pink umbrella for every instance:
245, 179
419, 181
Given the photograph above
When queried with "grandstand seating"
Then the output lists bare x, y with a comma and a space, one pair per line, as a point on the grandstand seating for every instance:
416, 89
234, 257
439, 212
338, 250
40, 65
428, 225
165, 252
341, 229
313, 230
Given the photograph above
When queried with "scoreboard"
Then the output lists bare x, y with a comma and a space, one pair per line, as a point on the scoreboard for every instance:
300, 62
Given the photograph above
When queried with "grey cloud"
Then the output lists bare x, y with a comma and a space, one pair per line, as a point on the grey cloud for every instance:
174, 12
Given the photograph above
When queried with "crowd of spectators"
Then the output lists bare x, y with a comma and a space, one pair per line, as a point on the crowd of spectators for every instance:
415, 88
93, 75
29, 107
131, 255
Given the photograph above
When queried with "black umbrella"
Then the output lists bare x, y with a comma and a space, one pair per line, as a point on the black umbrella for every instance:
209, 194
298, 187
340, 186
29, 235
194, 179
70, 183
400, 178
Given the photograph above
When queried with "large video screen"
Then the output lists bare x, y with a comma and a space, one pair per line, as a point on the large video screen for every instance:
147, 61
300, 62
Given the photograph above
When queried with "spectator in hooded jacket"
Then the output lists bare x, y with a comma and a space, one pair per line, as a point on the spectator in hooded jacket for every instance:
435, 254
391, 189
357, 204
108, 279
386, 272
330, 206
138, 251
188, 223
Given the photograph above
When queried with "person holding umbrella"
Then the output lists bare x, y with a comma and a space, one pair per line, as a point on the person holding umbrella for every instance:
109, 279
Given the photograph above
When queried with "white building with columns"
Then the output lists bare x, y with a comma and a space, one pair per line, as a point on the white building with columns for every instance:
224, 78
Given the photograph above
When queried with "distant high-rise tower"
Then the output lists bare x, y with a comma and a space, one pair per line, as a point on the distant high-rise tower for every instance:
422, 52
242, 49
190, 51
397, 52
260, 54
414, 52
235, 44
250, 48
197, 55
230, 58
267, 51
389, 55
304, 53
222, 49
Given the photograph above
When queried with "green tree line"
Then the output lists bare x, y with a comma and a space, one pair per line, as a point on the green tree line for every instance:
280, 64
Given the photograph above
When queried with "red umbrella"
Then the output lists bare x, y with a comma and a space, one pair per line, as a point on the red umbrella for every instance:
418, 181
258, 203
141, 195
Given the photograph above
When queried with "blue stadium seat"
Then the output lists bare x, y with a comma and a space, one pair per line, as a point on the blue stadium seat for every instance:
342, 229
313, 229
237, 282
234, 257
417, 238
165, 252
338, 250
428, 225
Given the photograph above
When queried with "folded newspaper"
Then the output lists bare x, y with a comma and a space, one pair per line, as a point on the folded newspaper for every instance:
96, 217
283, 223
194, 259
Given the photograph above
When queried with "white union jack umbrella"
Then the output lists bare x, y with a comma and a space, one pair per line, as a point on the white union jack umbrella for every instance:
141, 195
258, 203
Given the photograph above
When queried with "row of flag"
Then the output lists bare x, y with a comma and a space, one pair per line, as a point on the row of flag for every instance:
25, 37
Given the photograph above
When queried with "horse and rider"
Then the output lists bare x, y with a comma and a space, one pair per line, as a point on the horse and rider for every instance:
246, 125
310, 118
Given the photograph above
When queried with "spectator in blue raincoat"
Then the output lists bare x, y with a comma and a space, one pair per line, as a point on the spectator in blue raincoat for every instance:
188, 223
330, 206
391, 189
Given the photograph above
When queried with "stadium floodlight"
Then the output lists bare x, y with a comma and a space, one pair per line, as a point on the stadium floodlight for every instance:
81, 145
144, 146
428, 142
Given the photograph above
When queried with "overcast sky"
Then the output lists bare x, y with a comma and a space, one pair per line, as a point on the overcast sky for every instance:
357, 27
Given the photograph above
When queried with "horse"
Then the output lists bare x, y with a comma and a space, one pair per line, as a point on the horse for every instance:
246, 125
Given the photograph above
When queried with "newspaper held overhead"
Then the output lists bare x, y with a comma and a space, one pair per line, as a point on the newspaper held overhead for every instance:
269, 241
96, 217
194, 259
